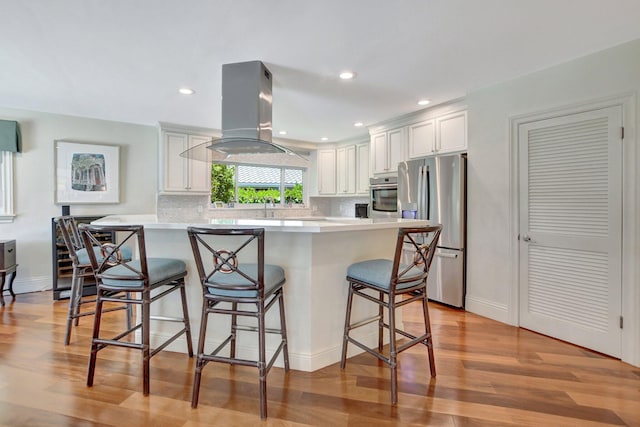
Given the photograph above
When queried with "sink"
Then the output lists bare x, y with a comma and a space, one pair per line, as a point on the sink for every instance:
336, 219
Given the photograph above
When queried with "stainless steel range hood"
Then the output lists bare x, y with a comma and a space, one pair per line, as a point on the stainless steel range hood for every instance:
246, 119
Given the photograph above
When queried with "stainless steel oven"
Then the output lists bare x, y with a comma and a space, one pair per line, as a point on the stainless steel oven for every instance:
383, 197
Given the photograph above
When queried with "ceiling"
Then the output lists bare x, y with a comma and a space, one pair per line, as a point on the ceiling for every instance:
124, 60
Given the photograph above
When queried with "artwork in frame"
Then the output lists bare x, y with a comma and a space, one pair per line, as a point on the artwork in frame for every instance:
86, 173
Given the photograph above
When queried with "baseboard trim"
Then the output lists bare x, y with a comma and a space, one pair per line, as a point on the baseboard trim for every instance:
298, 361
486, 308
30, 284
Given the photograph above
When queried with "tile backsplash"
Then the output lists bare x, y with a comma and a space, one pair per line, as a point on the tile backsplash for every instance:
188, 208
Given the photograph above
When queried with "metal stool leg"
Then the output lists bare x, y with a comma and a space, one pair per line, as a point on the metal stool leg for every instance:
200, 362
185, 316
347, 321
146, 341
73, 305
427, 327
234, 329
381, 323
283, 329
94, 345
392, 350
262, 364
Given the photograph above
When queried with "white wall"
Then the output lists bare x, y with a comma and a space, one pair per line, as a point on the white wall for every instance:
605, 74
34, 179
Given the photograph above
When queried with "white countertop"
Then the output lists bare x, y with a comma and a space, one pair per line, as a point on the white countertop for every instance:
290, 225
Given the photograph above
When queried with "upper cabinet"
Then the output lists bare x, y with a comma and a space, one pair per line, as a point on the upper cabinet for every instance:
327, 171
452, 132
179, 174
362, 168
443, 134
422, 139
387, 150
346, 169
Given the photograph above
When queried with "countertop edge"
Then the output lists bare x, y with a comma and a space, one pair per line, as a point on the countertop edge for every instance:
315, 225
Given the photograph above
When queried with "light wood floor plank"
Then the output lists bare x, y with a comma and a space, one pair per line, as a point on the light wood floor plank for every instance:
489, 374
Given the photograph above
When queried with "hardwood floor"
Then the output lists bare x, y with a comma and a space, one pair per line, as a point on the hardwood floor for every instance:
489, 374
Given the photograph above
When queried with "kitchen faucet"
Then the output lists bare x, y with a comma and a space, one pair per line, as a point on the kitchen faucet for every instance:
268, 201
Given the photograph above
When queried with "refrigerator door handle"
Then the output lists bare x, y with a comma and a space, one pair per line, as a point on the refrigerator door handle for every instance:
447, 255
427, 185
419, 201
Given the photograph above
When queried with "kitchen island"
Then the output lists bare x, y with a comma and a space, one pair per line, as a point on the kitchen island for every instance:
314, 253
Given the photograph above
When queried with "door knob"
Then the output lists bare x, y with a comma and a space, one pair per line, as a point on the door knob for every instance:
526, 238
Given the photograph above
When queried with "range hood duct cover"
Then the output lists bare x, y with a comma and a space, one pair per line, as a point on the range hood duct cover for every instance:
246, 120
246, 101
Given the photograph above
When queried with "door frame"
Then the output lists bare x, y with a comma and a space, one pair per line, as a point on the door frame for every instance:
630, 351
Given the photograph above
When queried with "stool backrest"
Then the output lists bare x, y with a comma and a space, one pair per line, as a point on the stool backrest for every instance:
420, 244
222, 268
69, 231
111, 253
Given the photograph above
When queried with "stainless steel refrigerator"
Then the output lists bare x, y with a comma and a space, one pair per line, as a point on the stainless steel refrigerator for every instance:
435, 188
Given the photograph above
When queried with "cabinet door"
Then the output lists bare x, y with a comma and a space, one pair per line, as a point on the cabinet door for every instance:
396, 148
341, 169
422, 139
175, 167
452, 132
362, 168
379, 153
349, 170
326, 171
199, 175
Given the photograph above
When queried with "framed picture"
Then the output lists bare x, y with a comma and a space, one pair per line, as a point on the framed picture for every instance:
86, 173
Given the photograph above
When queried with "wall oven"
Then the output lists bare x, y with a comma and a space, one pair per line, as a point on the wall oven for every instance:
383, 197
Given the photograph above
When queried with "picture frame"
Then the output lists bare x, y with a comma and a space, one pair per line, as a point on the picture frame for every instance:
86, 173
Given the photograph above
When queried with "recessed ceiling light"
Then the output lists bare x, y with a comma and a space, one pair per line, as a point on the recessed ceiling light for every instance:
324, 138
347, 75
283, 132
186, 91
358, 124
423, 102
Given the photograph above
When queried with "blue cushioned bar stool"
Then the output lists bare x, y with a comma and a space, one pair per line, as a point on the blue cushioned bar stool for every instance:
138, 278
81, 268
228, 283
381, 281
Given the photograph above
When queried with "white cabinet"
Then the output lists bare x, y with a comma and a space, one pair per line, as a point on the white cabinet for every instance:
442, 134
379, 153
327, 171
179, 174
422, 139
387, 150
362, 168
346, 169
452, 132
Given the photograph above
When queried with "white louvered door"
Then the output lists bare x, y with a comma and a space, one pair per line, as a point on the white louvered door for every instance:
571, 228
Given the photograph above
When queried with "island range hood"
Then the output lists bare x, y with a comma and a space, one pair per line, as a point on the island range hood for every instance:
246, 119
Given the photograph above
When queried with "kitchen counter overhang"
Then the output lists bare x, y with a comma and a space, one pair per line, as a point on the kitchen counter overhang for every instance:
315, 254
287, 225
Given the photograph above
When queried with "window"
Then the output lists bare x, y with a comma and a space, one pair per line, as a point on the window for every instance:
248, 184
6, 186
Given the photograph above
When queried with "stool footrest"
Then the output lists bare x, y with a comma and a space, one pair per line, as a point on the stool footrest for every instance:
364, 322
370, 350
167, 342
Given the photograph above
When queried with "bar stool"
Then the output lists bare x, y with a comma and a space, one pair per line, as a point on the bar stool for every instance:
225, 279
406, 276
81, 268
138, 278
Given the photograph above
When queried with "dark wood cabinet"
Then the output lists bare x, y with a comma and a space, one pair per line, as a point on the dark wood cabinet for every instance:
62, 266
